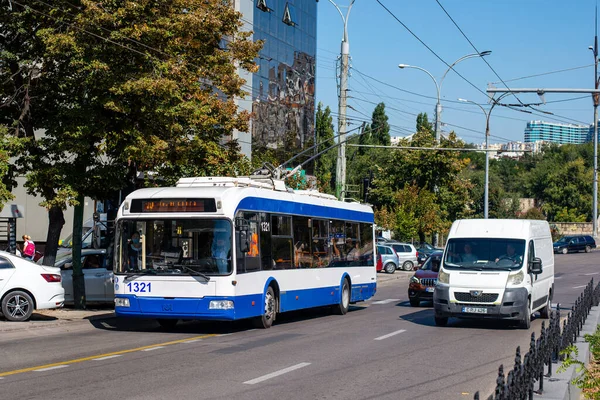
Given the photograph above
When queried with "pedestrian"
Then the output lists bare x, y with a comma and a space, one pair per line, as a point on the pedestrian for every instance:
28, 248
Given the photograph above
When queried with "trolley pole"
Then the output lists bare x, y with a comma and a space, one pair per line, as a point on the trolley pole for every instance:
340, 176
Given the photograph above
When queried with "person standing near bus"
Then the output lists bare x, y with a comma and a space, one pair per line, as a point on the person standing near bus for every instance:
28, 248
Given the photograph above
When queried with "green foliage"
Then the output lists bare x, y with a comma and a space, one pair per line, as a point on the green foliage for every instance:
325, 164
588, 377
569, 215
423, 124
533, 213
380, 129
8, 146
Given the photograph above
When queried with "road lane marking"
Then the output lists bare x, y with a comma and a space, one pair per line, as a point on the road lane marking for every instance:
557, 277
277, 373
51, 368
193, 341
154, 348
579, 287
78, 360
390, 334
386, 301
107, 357
592, 273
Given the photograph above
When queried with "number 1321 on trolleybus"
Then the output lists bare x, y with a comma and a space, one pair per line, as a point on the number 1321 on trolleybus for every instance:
232, 248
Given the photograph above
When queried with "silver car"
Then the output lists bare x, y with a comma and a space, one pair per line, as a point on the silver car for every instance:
407, 255
389, 258
97, 275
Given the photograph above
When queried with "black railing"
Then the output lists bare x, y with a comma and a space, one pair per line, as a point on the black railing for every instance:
522, 377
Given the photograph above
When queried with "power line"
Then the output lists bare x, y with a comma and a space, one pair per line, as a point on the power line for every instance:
545, 73
430, 49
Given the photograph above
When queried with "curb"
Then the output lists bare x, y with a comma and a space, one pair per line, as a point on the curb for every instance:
56, 321
559, 385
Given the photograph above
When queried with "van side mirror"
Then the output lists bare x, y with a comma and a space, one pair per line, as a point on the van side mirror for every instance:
535, 267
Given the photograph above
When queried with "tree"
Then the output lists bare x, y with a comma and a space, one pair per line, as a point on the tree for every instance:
8, 144
121, 88
423, 124
380, 129
325, 164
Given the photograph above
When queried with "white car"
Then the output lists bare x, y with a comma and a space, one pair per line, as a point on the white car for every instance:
26, 286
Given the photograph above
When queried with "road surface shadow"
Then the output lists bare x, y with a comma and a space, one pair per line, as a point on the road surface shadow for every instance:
209, 327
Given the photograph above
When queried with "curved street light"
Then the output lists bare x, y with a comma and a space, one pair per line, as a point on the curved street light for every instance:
438, 106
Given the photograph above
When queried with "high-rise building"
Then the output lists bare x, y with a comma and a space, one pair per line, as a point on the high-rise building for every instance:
558, 133
282, 99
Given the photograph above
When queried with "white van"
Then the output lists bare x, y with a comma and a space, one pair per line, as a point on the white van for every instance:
496, 268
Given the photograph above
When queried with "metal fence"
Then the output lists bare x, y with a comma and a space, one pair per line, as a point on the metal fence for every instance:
543, 352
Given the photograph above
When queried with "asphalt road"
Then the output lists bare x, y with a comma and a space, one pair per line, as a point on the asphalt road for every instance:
382, 349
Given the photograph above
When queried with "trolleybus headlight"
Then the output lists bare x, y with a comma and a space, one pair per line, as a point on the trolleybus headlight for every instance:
121, 302
220, 305
443, 276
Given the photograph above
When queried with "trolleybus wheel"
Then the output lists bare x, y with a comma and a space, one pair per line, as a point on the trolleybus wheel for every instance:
270, 310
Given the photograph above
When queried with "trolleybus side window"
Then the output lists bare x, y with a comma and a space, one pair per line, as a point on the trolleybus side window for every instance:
302, 255
250, 261
366, 244
320, 243
352, 247
337, 241
267, 262
281, 236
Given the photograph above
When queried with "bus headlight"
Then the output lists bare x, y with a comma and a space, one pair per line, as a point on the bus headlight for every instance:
414, 279
220, 305
121, 302
516, 279
443, 276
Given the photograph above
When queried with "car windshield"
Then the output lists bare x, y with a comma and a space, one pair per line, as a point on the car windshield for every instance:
174, 246
484, 253
431, 262
86, 240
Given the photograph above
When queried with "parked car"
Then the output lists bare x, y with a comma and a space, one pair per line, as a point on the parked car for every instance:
25, 287
569, 244
97, 275
422, 284
407, 254
389, 258
425, 249
379, 266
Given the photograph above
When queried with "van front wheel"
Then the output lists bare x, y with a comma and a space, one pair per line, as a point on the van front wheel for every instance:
545, 312
525, 323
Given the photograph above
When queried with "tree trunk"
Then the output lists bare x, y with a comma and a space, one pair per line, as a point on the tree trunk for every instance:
421, 236
56, 221
78, 281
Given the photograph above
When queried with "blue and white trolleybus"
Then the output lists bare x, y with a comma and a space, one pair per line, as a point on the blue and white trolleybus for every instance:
218, 248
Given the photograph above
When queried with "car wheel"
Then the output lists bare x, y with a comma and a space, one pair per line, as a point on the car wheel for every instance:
525, 323
414, 302
565, 250
270, 310
408, 266
441, 321
588, 249
545, 312
17, 306
167, 324
342, 308
390, 268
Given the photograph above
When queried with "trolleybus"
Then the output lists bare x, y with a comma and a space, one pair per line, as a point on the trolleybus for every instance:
216, 248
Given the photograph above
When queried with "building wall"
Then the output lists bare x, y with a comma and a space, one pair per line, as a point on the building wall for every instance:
283, 90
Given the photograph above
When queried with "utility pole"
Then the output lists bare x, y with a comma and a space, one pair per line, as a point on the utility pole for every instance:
340, 176
595, 98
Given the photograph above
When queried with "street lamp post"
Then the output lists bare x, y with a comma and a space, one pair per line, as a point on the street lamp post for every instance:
595, 98
487, 156
438, 106
340, 176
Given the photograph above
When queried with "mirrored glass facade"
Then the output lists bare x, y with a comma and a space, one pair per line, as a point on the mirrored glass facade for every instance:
558, 133
283, 90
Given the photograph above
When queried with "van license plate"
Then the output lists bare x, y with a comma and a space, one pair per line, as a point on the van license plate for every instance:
474, 310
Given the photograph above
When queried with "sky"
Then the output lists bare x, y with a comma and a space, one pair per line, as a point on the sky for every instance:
526, 38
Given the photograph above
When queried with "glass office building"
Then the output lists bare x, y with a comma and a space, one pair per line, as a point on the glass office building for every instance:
558, 133
283, 90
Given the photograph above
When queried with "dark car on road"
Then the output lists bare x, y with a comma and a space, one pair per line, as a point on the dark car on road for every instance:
570, 244
422, 284
425, 250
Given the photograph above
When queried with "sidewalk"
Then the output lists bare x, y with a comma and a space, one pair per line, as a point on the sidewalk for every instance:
56, 317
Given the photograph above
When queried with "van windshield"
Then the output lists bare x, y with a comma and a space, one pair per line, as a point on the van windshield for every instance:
484, 253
